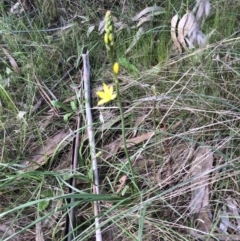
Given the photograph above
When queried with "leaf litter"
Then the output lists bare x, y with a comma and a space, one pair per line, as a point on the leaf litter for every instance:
51, 147
186, 32
190, 34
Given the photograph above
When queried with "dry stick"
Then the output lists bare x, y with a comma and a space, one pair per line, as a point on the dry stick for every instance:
70, 218
86, 80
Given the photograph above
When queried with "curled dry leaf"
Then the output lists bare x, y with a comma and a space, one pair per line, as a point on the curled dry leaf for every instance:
204, 8
180, 30
143, 20
176, 44
196, 36
112, 148
189, 24
17, 9
228, 217
189, 33
136, 140
155, 10
200, 170
233, 207
122, 182
20, 115
90, 29
225, 222
185, 25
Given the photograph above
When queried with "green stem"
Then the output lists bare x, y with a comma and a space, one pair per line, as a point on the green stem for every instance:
123, 127
122, 120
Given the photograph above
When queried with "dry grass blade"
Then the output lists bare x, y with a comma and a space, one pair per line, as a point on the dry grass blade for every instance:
11, 60
45, 96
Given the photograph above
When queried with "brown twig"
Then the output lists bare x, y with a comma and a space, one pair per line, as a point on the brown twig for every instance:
70, 218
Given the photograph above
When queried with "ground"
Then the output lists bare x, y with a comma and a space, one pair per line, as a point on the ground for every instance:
181, 120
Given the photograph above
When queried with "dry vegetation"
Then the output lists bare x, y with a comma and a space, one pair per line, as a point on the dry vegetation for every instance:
181, 101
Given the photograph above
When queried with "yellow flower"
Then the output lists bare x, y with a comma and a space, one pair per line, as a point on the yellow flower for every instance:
116, 68
106, 95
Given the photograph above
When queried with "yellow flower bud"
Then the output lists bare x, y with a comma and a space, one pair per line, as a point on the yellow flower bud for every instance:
116, 68
107, 31
106, 28
110, 37
110, 29
108, 13
109, 22
106, 37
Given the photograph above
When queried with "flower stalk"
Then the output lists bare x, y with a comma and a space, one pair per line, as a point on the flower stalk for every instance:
109, 43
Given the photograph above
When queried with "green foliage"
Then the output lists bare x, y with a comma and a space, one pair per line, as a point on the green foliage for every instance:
45, 203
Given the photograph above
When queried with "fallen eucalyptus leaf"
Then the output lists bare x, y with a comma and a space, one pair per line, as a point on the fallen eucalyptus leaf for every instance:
151, 10
176, 44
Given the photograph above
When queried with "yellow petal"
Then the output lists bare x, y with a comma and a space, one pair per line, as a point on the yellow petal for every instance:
101, 94
102, 101
106, 95
110, 90
113, 96
105, 88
